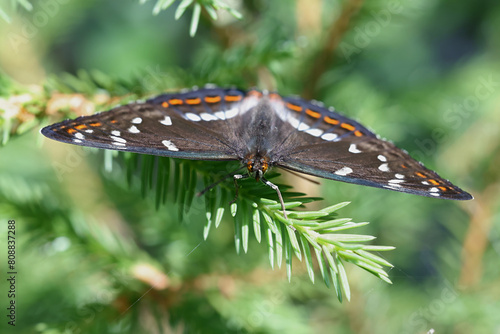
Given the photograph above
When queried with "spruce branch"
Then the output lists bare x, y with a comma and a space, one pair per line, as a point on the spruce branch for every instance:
332, 38
210, 6
24, 108
314, 237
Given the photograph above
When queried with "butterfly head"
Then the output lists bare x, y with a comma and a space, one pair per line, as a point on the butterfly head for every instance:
257, 166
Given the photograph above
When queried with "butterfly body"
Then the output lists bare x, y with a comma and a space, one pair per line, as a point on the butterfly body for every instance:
261, 130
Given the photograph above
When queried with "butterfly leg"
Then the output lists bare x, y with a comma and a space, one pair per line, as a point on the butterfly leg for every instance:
236, 186
275, 188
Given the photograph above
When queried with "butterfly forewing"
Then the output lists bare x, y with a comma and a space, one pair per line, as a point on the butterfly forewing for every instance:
177, 125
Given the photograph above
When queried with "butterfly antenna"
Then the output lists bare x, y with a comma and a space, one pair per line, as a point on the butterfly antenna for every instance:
236, 186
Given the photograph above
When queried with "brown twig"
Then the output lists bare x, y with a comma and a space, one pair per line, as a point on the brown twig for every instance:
476, 239
333, 37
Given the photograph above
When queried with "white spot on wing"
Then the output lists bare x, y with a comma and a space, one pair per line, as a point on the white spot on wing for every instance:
344, 171
169, 145
118, 144
395, 182
89, 130
166, 121
329, 136
226, 114
220, 115
399, 176
294, 122
315, 132
208, 117
231, 113
434, 190
354, 149
425, 183
192, 117
118, 139
303, 126
382, 158
116, 133
133, 129
384, 167
77, 141
137, 120
79, 135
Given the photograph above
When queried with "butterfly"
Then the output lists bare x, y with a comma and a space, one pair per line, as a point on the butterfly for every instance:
260, 129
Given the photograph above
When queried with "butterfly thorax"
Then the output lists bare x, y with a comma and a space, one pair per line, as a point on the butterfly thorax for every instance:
261, 133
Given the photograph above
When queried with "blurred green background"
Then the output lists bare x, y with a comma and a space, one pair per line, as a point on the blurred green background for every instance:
424, 74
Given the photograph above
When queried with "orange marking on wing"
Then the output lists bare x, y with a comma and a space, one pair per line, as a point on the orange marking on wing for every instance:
165, 104
212, 99
294, 107
193, 101
95, 124
421, 175
176, 102
71, 131
434, 182
274, 96
330, 120
114, 121
443, 188
255, 93
347, 126
358, 133
403, 165
313, 113
81, 126
232, 98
